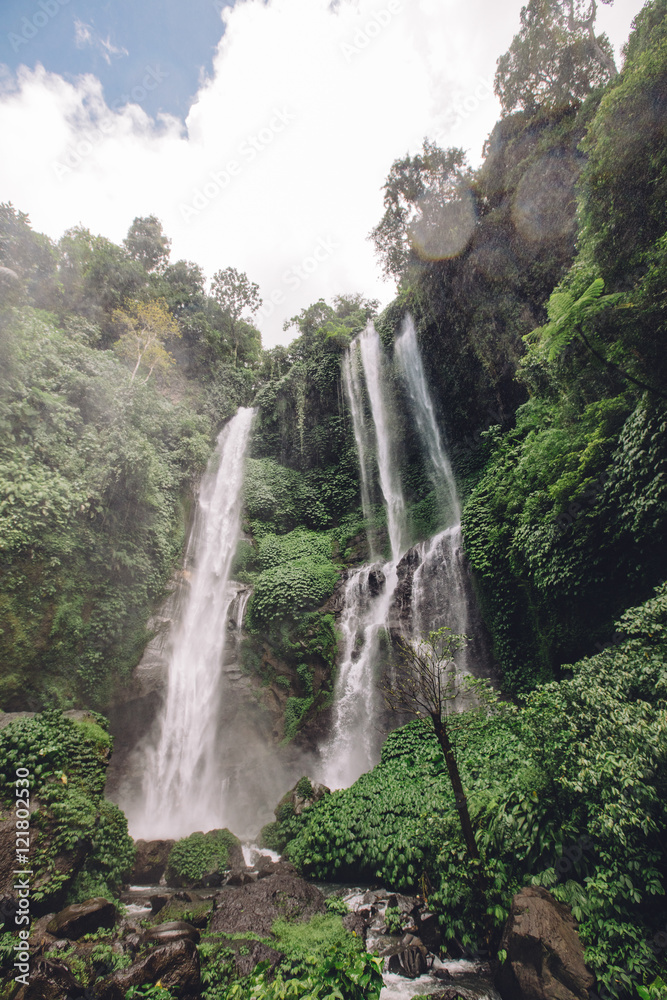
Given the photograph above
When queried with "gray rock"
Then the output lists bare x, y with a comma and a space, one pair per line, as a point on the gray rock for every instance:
256, 906
545, 958
173, 930
83, 918
151, 861
175, 964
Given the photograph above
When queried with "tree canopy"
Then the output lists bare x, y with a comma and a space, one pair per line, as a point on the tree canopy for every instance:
428, 209
556, 58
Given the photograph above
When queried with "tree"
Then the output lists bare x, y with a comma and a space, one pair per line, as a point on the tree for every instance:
428, 209
145, 326
146, 243
331, 328
423, 687
556, 58
235, 294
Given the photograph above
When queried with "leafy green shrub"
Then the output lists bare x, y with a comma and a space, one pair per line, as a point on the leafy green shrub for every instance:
580, 758
68, 760
283, 590
304, 788
200, 854
337, 905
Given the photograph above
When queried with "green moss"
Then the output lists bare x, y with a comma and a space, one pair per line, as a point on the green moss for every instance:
200, 854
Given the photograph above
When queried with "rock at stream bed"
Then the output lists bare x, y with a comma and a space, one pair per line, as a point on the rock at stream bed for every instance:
175, 964
545, 958
83, 918
255, 907
150, 862
50, 981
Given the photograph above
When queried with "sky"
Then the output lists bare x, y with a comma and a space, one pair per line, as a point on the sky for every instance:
260, 132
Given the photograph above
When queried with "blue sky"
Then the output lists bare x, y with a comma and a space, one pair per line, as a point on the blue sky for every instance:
119, 41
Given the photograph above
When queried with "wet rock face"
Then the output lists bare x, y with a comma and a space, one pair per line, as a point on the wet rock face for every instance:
151, 861
255, 907
83, 918
175, 964
173, 930
50, 981
545, 958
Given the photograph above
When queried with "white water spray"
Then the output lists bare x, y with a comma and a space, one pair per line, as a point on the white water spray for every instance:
183, 784
407, 353
352, 748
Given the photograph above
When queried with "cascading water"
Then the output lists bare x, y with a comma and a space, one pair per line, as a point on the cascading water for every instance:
416, 591
362, 437
371, 357
352, 748
406, 350
439, 583
183, 784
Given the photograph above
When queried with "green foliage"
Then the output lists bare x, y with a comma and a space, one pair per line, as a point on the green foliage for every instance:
581, 762
200, 854
337, 905
304, 788
297, 573
67, 761
92, 472
554, 60
149, 991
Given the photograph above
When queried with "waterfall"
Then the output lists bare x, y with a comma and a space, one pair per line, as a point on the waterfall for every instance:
183, 783
371, 357
407, 353
367, 599
353, 393
415, 591
439, 583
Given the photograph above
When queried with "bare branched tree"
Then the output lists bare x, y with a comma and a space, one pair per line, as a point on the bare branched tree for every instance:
424, 686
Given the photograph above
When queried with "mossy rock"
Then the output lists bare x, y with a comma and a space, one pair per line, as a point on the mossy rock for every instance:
194, 858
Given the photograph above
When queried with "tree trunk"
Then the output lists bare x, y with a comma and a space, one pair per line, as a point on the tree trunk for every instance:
455, 778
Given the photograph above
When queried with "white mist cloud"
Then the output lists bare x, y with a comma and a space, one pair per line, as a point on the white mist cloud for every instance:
280, 167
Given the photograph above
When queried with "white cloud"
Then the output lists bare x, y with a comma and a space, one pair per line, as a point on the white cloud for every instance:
85, 34
307, 103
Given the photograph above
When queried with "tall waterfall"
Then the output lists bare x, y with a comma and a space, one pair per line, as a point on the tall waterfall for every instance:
371, 356
418, 589
439, 583
406, 351
183, 787
353, 392
352, 747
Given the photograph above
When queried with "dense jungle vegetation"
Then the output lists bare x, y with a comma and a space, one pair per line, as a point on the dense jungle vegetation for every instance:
542, 327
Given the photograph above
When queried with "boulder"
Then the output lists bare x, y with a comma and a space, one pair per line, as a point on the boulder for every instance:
50, 981
83, 918
175, 964
410, 959
428, 929
255, 907
545, 958
249, 953
355, 924
172, 930
376, 581
158, 901
150, 862
276, 868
